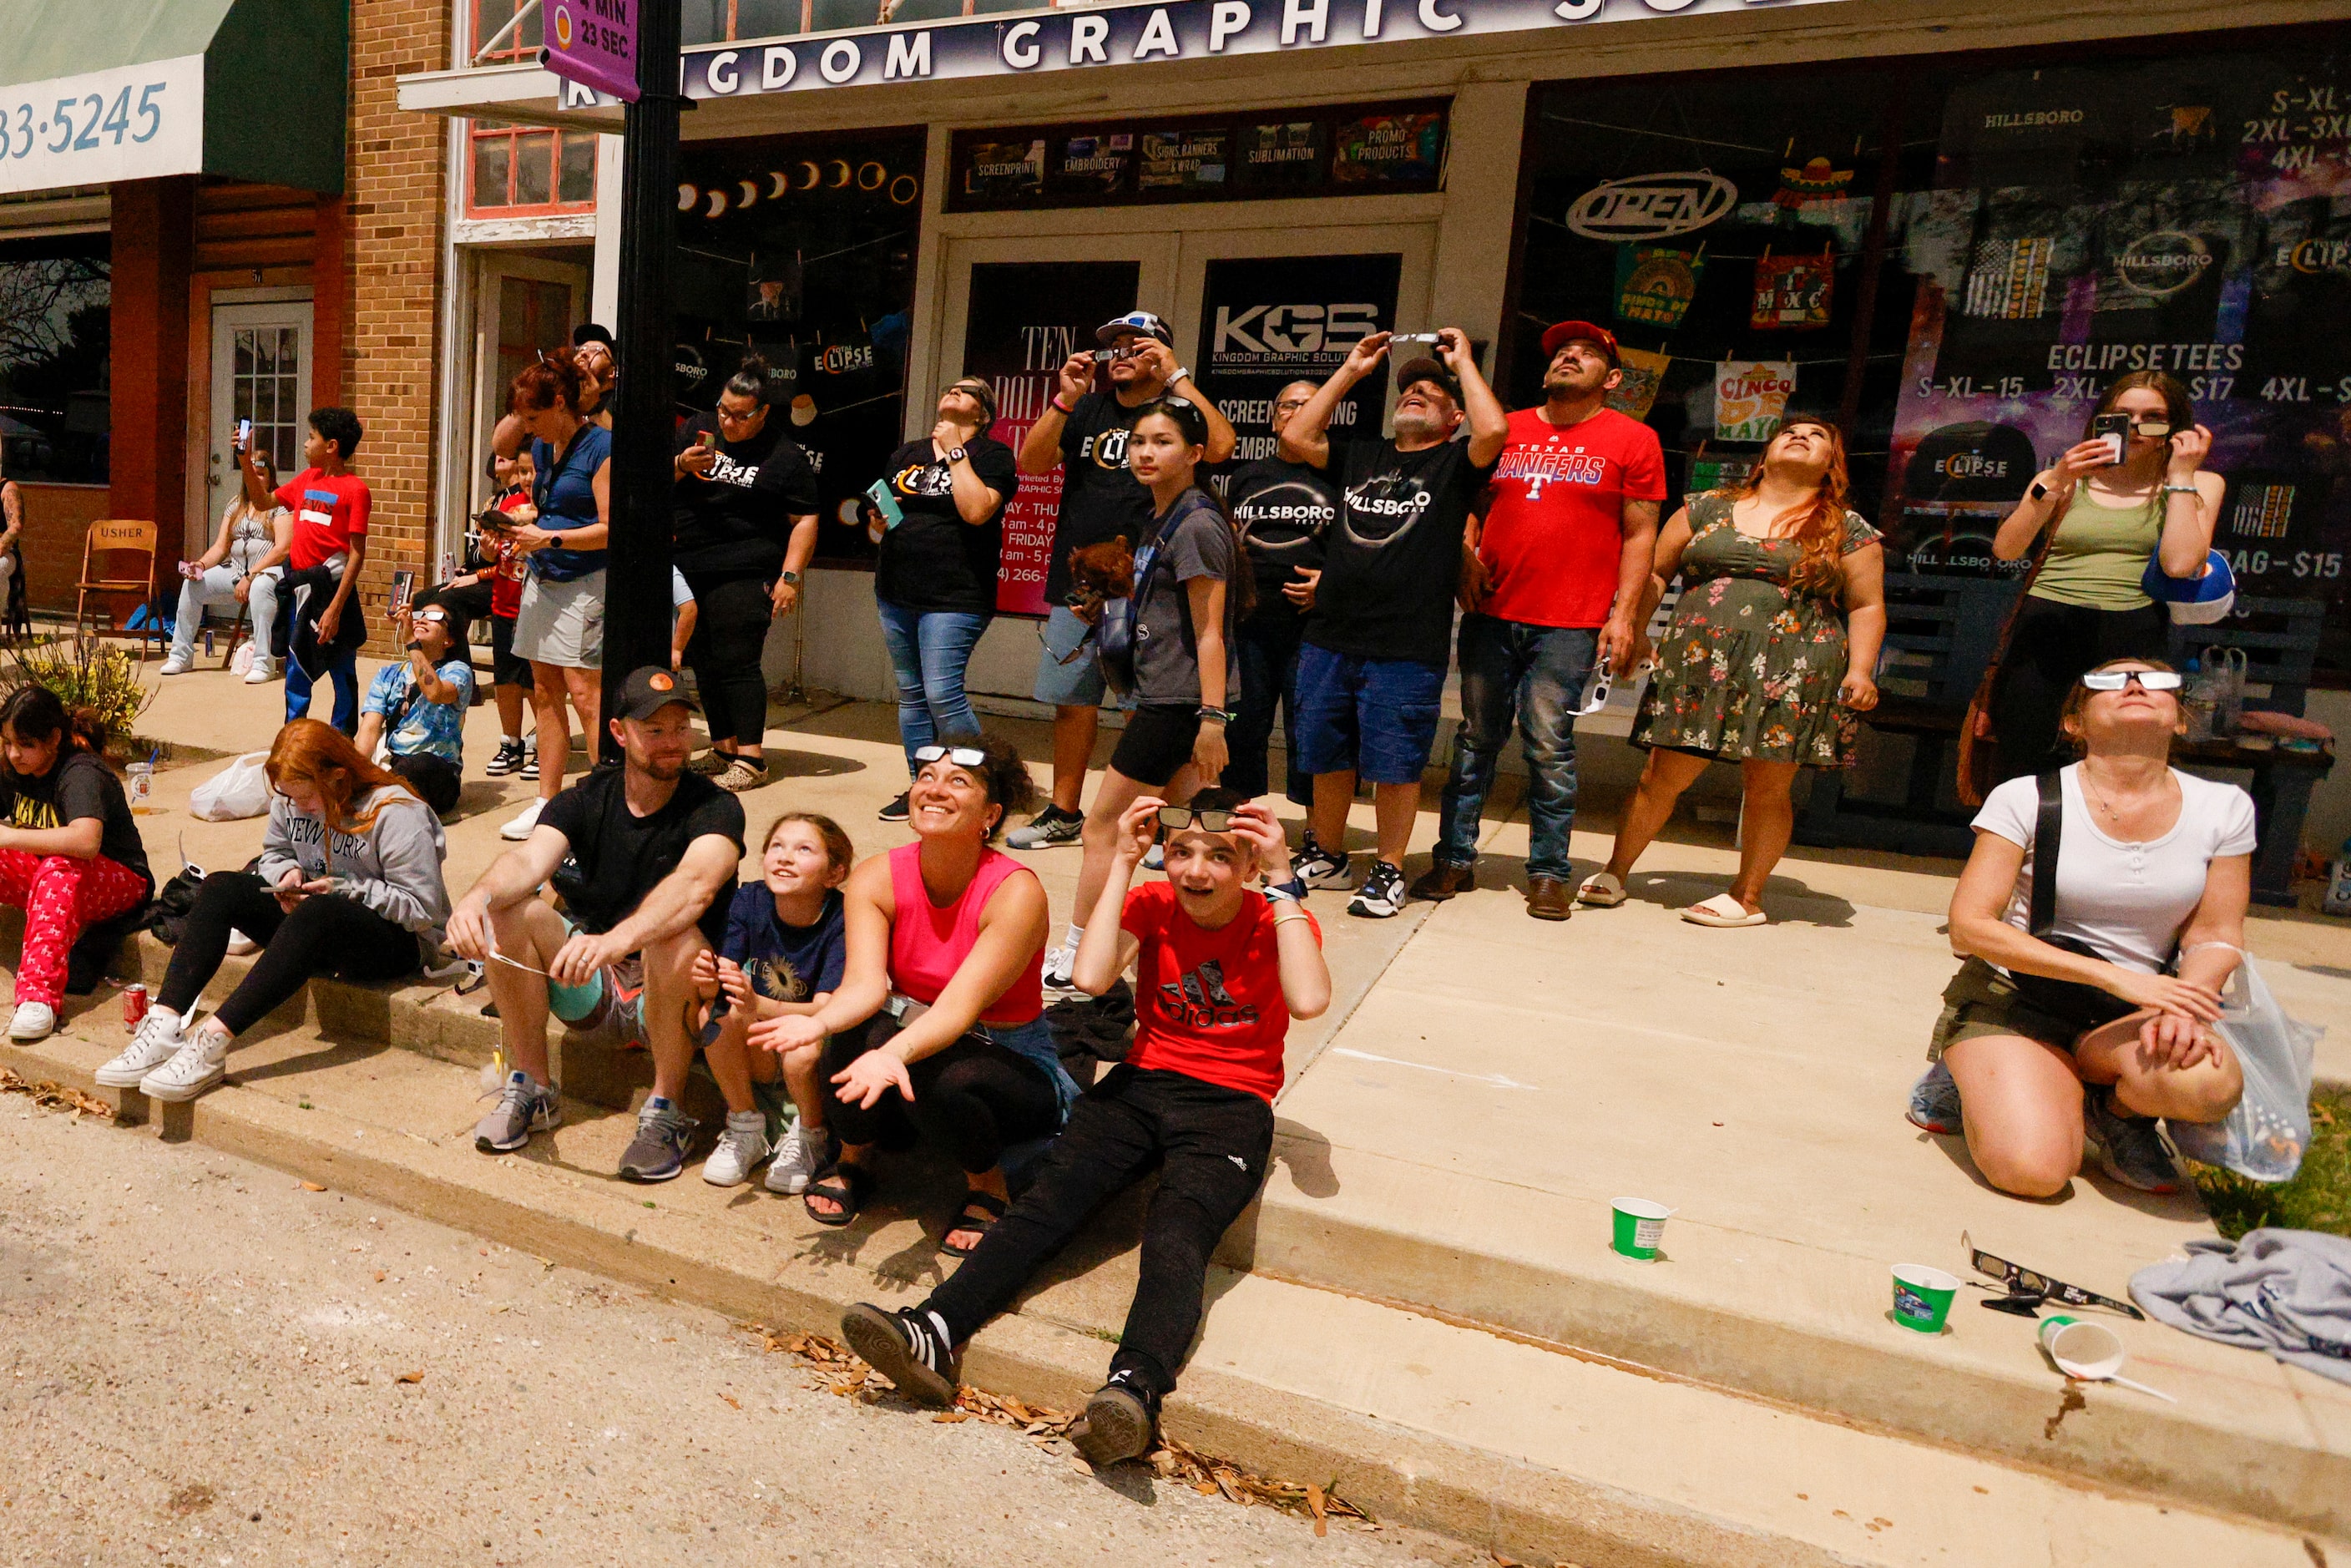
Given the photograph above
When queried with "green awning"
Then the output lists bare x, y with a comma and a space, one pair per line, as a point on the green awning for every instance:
93, 91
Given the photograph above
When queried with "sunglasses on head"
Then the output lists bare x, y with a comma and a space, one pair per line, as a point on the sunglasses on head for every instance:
2148, 680
1177, 817
2029, 1289
961, 756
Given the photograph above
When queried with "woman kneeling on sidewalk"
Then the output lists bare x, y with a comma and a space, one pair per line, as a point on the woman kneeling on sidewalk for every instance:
946, 937
1216, 983
2103, 910
349, 883
69, 851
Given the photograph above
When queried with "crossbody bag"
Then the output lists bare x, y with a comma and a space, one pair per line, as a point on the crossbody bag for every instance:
2083, 1007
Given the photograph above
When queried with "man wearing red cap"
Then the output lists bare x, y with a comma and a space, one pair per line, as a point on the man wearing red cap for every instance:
1553, 577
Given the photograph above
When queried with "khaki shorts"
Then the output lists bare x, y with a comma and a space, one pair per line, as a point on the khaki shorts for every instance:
1981, 1001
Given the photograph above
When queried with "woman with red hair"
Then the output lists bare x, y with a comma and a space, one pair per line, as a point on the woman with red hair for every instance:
349, 883
1768, 657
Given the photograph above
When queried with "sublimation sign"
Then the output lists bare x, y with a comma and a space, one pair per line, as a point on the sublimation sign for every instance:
594, 43
1140, 33
133, 122
1266, 321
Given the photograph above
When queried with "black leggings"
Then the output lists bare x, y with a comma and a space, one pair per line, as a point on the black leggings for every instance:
2053, 644
730, 636
974, 1100
436, 779
1209, 1144
328, 933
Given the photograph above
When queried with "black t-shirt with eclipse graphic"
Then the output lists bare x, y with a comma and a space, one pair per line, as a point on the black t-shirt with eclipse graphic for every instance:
933, 560
1101, 497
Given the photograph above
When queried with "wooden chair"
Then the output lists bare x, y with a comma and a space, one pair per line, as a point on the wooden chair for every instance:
112, 539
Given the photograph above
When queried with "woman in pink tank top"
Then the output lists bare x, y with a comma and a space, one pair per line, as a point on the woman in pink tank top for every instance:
937, 1030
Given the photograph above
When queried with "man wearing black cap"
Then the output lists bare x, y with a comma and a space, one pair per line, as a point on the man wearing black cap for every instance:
1551, 579
644, 856
1370, 678
1084, 433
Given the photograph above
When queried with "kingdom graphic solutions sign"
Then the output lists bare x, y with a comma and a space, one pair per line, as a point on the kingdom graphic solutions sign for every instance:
1141, 34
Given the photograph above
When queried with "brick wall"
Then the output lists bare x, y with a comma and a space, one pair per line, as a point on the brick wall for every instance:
394, 205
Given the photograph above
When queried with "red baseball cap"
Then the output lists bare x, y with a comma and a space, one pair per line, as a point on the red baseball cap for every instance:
1563, 331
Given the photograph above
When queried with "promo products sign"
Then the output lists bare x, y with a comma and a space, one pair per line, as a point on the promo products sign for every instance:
1266, 321
593, 43
132, 122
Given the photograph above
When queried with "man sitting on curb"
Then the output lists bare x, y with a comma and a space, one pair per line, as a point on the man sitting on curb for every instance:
1217, 984
417, 711
645, 856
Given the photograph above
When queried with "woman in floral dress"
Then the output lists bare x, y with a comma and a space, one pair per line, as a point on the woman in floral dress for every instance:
1767, 661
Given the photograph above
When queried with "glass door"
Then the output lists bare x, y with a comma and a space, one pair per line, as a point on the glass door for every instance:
261, 371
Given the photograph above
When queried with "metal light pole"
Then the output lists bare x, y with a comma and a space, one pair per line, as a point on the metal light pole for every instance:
636, 578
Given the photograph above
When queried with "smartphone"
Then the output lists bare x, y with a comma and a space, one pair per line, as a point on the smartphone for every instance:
885, 503
2113, 429
243, 434
404, 589
705, 439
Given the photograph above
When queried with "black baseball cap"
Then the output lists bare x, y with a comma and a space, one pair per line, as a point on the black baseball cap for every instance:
588, 332
649, 690
1435, 370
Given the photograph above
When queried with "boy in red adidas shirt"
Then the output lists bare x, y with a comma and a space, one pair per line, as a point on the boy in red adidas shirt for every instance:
1220, 970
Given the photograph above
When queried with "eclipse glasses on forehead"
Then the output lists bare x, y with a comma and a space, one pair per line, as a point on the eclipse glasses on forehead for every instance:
961, 756
2148, 680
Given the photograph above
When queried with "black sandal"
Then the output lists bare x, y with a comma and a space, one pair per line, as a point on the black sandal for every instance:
854, 1185
990, 1208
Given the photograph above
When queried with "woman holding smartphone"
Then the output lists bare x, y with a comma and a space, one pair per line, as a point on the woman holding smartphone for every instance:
225, 574
2134, 486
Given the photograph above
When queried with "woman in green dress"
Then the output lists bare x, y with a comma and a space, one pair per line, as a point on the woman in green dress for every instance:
1767, 661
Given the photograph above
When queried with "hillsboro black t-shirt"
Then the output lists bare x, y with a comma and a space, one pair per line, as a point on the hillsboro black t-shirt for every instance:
78, 786
1284, 511
933, 560
1101, 497
1391, 563
617, 857
739, 519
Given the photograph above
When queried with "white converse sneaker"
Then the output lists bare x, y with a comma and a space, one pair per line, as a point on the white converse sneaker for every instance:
158, 1041
32, 1020
195, 1067
800, 1158
175, 665
520, 828
742, 1145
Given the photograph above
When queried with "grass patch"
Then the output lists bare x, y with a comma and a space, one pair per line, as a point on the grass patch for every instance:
2317, 1198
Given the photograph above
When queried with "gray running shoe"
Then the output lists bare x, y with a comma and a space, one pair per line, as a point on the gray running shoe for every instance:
658, 1151
1935, 1102
1048, 828
2131, 1148
524, 1107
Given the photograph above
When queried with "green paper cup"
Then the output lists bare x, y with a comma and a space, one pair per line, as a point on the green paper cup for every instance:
1640, 1226
1922, 1297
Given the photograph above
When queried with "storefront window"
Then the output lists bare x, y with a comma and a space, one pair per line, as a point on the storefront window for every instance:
54, 347
493, 21
519, 170
1955, 258
802, 249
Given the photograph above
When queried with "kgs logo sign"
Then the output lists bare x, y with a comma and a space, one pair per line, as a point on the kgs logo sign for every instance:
1276, 329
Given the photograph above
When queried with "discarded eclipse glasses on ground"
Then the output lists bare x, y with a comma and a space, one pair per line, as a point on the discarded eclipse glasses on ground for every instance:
2029, 1289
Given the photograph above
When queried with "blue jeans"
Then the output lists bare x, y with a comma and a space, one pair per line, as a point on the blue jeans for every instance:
928, 652
1534, 675
1267, 646
343, 669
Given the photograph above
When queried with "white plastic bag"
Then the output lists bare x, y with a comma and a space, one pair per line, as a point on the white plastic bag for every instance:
239, 789
241, 662
2263, 1138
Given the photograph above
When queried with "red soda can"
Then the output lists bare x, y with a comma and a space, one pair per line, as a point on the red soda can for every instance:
134, 1004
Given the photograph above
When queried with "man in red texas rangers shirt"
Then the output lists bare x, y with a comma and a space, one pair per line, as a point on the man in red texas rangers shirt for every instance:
1552, 576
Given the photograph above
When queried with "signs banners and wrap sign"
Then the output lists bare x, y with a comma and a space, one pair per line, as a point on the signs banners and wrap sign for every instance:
1655, 286
593, 42
1140, 33
1751, 397
1653, 207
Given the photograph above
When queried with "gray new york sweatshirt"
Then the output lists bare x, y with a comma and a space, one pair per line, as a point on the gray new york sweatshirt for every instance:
393, 868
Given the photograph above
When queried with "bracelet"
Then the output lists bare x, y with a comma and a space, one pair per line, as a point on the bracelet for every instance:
1065, 410
1180, 373
1221, 715
1288, 913
2182, 490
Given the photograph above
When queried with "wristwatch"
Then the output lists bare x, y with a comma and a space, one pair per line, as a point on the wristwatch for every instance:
1292, 892
1180, 373
957, 455
794, 578
2039, 492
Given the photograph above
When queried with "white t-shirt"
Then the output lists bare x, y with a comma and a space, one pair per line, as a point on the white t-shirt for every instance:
2127, 900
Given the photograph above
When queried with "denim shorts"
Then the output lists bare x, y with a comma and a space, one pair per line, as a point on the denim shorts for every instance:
1375, 717
1078, 683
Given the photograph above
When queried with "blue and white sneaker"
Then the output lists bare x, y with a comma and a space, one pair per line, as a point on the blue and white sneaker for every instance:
658, 1151
1935, 1102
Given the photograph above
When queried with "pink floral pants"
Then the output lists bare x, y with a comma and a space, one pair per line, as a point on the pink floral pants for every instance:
61, 897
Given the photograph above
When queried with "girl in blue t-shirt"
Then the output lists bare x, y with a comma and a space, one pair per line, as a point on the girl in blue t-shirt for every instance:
785, 948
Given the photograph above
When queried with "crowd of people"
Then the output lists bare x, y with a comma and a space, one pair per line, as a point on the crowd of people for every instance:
850, 1010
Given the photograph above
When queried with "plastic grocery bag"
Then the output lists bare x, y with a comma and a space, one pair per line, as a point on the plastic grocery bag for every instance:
2263, 1138
239, 789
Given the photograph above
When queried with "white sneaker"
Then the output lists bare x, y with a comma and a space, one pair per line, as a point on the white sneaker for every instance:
742, 1145
195, 1067
34, 1021
263, 671
239, 944
520, 828
175, 665
158, 1041
799, 1159
1060, 963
